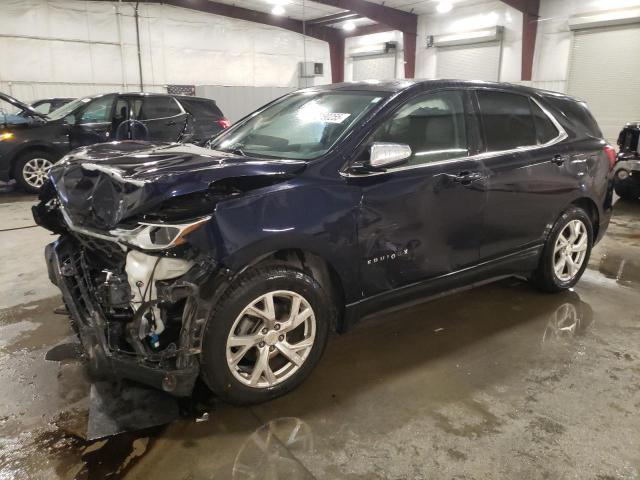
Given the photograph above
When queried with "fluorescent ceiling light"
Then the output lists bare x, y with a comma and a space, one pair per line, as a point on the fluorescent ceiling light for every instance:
444, 6
349, 26
278, 10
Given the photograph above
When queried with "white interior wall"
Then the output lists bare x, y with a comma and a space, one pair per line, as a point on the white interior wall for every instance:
353, 44
553, 43
474, 17
73, 48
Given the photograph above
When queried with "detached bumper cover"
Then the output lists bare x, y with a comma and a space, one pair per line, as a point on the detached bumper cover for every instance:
65, 267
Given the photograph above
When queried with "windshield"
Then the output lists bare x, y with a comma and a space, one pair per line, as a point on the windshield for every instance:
70, 107
12, 115
302, 126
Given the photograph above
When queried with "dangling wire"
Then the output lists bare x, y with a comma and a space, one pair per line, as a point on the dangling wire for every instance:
304, 41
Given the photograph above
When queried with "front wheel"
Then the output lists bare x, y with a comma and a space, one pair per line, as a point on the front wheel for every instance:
566, 252
265, 335
31, 170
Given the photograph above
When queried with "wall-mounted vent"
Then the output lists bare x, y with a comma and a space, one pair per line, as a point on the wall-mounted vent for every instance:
311, 69
492, 34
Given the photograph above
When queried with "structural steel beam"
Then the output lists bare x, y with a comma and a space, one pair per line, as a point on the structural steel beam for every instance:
368, 30
330, 19
530, 13
391, 17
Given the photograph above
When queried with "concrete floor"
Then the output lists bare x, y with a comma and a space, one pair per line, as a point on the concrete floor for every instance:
499, 382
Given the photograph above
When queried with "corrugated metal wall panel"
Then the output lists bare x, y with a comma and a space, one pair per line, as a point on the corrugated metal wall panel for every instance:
604, 70
469, 62
374, 67
236, 102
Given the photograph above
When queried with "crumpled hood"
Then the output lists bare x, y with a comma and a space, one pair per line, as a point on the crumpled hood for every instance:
101, 185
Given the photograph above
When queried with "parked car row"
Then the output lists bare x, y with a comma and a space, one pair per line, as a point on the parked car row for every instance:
232, 263
627, 177
32, 140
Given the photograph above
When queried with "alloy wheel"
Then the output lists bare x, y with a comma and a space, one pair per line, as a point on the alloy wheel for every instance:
35, 171
271, 339
570, 250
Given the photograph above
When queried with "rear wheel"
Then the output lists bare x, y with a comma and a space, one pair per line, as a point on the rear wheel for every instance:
566, 252
32, 168
266, 335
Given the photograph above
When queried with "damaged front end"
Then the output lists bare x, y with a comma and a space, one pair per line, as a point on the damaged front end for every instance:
136, 260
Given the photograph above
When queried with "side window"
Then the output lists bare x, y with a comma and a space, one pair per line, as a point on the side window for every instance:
121, 112
43, 108
158, 107
545, 129
433, 125
98, 110
507, 120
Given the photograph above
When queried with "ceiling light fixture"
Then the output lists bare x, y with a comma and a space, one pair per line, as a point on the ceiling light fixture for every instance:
444, 6
278, 10
349, 26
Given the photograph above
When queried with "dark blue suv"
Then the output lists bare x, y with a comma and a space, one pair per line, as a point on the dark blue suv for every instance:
232, 263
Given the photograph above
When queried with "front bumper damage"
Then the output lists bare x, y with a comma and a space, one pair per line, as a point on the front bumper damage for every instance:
174, 369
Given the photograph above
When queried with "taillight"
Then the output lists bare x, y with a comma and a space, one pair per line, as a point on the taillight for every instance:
224, 123
611, 154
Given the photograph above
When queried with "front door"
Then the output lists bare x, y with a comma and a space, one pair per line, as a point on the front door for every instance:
92, 123
423, 219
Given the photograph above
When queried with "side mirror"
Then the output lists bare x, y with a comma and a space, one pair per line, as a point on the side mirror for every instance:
70, 119
384, 155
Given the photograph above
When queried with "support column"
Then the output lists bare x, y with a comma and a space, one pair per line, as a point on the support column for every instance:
409, 46
529, 32
336, 55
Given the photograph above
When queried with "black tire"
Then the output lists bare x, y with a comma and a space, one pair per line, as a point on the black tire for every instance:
626, 191
19, 168
545, 277
215, 370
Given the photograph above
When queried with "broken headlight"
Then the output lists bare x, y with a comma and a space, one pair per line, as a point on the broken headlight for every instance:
158, 236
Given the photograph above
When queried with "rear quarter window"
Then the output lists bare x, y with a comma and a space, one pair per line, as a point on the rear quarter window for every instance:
545, 129
577, 115
199, 107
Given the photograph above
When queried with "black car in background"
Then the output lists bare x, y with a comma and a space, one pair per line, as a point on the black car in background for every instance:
31, 142
627, 178
234, 262
48, 105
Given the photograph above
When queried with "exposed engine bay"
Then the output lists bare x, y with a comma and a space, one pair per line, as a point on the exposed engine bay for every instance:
137, 267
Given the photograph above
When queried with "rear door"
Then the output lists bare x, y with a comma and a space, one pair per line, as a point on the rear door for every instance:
163, 117
528, 181
423, 219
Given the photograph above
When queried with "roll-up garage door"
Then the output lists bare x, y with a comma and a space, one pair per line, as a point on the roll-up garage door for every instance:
604, 70
374, 67
469, 62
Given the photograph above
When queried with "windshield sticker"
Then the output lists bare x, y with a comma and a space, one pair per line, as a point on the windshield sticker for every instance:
333, 117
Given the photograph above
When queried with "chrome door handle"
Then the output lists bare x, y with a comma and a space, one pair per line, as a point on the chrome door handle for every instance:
466, 178
559, 160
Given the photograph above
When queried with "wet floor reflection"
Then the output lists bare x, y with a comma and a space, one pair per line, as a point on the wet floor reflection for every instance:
569, 320
270, 452
621, 268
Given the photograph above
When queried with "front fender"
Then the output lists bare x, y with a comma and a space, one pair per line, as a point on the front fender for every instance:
319, 219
